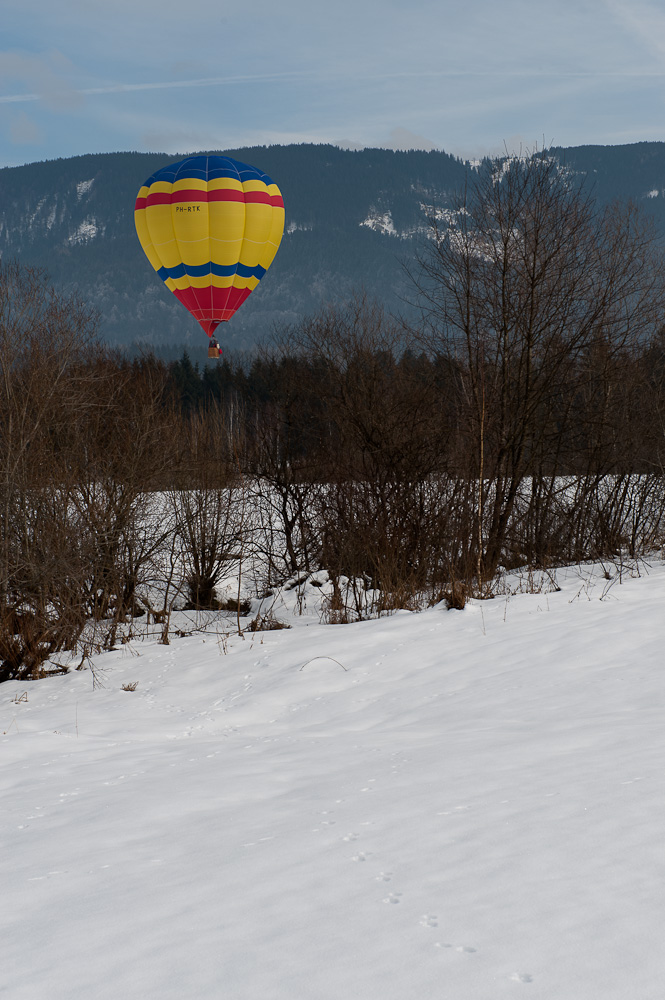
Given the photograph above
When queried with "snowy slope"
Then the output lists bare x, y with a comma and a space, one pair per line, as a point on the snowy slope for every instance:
453, 805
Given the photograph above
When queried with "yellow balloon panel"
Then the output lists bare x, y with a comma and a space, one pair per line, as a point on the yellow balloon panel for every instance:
191, 226
160, 226
257, 232
227, 228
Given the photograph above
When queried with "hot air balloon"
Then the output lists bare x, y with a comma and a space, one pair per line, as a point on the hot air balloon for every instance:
210, 226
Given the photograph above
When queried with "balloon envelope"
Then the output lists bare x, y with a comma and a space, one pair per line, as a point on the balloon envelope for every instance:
210, 226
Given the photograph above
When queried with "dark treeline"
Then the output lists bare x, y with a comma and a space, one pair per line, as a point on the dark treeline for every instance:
278, 384
520, 424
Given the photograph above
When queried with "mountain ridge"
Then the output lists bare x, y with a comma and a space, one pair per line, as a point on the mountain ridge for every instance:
353, 219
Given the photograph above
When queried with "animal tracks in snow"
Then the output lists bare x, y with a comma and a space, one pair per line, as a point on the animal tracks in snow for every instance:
464, 949
456, 810
428, 921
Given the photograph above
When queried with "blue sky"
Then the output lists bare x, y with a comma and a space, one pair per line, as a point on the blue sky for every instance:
81, 76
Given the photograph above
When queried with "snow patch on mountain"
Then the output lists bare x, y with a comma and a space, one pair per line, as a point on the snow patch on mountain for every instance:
299, 226
380, 222
36, 212
86, 231
51, 217
436, 213
83, 188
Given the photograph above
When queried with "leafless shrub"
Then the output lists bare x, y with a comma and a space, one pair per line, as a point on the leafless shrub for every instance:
45, 383
285, 453
237, 605
455, 598
266, 623
334, 610
126, 449
378, 519
209, 524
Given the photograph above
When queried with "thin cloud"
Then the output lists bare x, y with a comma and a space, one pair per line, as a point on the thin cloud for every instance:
216, 81
47, 72
126, 88
645, 22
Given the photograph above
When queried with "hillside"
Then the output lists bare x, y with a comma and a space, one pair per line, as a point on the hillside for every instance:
463, 804
352, 219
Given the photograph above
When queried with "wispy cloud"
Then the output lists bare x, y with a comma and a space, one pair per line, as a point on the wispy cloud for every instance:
46, 74
45, 93
645, 21
128, 88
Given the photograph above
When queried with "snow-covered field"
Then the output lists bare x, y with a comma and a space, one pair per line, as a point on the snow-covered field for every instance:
437, 806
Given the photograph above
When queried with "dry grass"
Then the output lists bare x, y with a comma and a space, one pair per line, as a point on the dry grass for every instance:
266, 623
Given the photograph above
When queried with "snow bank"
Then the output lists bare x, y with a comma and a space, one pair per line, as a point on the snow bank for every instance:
465, 805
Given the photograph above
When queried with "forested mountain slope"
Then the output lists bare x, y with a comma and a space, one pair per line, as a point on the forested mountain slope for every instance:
353, 218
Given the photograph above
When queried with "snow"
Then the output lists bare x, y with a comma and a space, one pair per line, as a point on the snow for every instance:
50, 221
383, 223
449, 804
85, 232
83, 188
380, 222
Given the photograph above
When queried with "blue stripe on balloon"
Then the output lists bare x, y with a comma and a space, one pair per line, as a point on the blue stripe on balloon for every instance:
222, 271
208, 168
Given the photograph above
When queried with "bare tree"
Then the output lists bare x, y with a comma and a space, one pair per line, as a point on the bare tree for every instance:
124, 450
382, 521
521, 282
286, 458
207, 501
46, 342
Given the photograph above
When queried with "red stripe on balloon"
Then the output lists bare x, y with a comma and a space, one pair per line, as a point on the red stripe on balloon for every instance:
222, 194
263, 198
158, 199
257, 198
226, 194
187, 195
